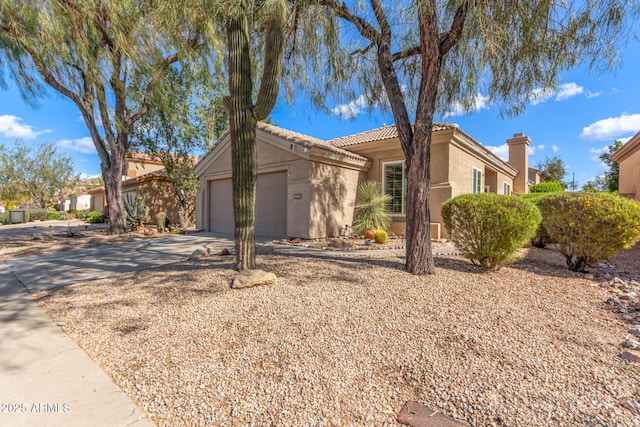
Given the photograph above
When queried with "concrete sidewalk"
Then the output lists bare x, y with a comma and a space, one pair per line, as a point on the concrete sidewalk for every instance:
45, 378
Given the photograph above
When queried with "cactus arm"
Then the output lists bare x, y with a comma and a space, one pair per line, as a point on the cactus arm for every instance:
276, 20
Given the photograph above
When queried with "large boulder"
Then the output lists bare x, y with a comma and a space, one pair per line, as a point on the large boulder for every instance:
251, 278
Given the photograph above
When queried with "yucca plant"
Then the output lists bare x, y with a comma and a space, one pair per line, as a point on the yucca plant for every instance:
372, 208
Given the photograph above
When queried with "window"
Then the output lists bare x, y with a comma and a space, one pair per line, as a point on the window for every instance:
507, 188
477, 180
395, 185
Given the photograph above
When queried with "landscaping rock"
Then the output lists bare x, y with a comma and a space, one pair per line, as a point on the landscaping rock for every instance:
635, 330
149, 232
630, 404
197, 254
631, 344
251, 278
225, 252
37, 236
415, 414
631, 355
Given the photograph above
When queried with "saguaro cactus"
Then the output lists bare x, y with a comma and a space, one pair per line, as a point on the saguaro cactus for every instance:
244, 115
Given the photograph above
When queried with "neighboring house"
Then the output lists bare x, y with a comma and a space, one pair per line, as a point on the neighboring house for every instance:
535, 177
143, 177
81, 203
306, 187
628, 157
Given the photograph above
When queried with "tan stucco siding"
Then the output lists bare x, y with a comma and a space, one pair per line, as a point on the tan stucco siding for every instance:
137, 168
160, 198
629, 185
461, 166
333, 194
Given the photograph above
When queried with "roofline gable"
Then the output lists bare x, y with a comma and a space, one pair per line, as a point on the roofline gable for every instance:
627, 149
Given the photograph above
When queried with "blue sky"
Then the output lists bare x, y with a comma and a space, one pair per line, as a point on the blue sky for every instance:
576, 122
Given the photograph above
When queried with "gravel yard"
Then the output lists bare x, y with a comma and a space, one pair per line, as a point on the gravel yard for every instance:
341, 342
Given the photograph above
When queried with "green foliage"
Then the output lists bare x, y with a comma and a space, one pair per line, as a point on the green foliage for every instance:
590, 227
37, 214
56, 216
542, 237
95, 217
136, 210
380, 236
4, 218
371, 209
40, 173
162, 222
612, 175
553, 170
547, 187
489, 228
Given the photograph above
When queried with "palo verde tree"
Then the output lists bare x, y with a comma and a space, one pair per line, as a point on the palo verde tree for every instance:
421, 57
39, 172
95, 53
246, 19
176, 134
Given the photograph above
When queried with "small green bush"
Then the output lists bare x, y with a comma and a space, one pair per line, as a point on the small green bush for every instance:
4, 218
37, 214
372, 208
590, 227
81, 214
546, 187
162, 222
542, 237
95, 217
489, 228
53, 216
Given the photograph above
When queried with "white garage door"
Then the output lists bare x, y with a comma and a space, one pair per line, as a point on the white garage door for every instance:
221, 206
271, 206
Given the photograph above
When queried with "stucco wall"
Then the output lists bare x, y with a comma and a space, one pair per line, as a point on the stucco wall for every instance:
136, 168
333, 194
160, 198
629, 184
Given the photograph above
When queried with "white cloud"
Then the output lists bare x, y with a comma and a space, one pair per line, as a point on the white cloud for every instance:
624, 140
568, 90
501, 151
590, 94
555, 148
82, 145
612, 127
480, 102
540, 95
596, 152
540, 147
84, 176
351, 109
11, 127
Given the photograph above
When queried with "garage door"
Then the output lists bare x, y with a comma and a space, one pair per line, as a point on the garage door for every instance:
271, 205
221, 206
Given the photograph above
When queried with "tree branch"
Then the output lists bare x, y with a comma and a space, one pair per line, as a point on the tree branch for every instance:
363, 51
451, 37
365, 29
406, 53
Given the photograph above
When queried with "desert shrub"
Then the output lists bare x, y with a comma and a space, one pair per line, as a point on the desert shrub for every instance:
162, 222
52, 216
546, 187
95, 217
372, 208
81, 214
590, 227
542, 237
136, 210
4, 218
37, 214
380, 236
489, 228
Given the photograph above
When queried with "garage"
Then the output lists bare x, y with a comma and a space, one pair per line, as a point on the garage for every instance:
271, 205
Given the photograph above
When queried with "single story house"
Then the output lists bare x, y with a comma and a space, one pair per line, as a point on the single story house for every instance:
306, 187
628, 157
143, 177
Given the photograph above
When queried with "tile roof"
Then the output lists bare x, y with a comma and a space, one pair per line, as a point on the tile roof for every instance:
307, 140
379, 134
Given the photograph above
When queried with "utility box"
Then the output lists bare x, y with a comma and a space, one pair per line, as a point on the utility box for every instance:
16, 216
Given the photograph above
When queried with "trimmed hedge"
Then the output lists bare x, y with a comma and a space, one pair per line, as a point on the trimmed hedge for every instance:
489, 228
542, 237
590, 227
546, 187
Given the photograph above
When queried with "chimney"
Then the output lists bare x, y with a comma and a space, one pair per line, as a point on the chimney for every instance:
519, 159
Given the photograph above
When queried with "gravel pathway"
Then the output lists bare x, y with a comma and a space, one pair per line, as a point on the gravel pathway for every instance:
347, 343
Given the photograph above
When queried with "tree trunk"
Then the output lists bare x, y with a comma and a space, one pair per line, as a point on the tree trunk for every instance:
112, 175
243, 133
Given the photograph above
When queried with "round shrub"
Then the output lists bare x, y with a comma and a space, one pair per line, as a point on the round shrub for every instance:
95, 217
542, 237
590, 227
380, 236
546, 187
489, 228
